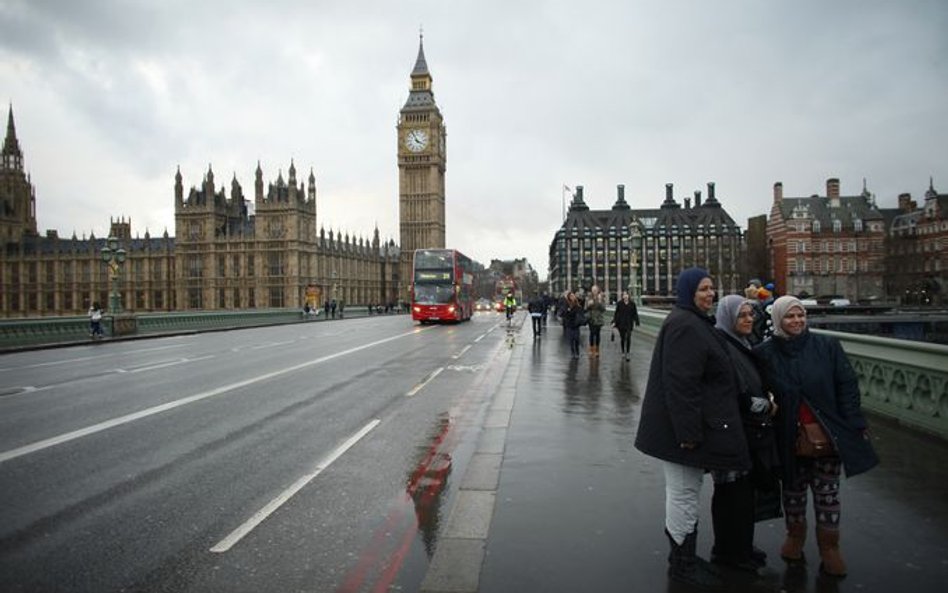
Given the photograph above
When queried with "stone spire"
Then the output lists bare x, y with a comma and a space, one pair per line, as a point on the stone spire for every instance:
11, 146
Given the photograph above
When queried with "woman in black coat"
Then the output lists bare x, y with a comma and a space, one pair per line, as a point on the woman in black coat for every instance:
743, 497
690, 418
625, 316
571, 316
813, 381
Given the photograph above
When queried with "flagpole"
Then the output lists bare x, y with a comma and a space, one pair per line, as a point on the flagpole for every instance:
566, 190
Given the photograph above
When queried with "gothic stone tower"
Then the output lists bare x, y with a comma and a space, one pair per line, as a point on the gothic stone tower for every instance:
422, 158
17, 196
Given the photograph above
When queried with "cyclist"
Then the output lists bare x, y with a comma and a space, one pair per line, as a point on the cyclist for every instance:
510, 305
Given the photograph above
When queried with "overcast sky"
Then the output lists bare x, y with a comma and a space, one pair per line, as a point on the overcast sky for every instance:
110, 97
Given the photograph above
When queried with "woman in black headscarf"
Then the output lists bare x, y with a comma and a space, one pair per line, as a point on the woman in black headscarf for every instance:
690, 418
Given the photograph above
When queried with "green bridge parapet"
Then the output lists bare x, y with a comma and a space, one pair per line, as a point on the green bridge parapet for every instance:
903, 380
18, 334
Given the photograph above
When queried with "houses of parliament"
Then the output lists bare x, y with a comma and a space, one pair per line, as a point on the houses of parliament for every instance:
222, 257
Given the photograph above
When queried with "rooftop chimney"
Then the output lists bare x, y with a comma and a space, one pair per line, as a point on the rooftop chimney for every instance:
668, 192
688, 203
832, 187
697, 198
905, 202
778, 192
711, 197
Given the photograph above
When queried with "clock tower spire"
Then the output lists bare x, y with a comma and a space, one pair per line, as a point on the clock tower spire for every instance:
422, 161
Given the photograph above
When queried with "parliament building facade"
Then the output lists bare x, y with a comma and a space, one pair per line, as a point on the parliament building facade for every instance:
222, 256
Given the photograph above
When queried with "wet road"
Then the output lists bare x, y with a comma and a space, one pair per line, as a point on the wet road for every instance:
309, 457
189, 440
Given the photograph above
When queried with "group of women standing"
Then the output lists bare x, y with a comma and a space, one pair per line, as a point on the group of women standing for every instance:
575, 314
713, 404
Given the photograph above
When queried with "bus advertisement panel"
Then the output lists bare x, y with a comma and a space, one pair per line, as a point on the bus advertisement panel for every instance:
442, 286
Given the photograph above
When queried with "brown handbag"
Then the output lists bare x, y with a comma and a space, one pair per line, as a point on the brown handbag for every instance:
812, 440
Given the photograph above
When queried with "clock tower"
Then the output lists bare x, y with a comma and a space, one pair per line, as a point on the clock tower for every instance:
422, 158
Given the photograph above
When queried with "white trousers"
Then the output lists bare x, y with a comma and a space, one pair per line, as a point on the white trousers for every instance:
682, 491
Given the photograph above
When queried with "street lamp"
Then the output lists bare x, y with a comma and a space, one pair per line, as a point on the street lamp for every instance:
635, 245
113, 256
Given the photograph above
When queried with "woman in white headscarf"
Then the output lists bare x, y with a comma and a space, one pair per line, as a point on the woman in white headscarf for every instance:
813, 382
733, 505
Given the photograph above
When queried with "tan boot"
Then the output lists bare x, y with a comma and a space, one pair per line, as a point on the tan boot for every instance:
831, 561
595, 350
792, 550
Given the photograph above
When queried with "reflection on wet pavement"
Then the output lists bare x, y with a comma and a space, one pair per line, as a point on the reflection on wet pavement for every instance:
579, 509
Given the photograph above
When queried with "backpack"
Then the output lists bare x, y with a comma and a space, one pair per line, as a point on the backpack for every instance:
582, 318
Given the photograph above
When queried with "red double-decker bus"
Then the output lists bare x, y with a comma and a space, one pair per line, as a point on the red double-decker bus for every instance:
442, 286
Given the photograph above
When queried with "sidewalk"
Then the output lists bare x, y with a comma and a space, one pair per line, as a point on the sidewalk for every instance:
557, 499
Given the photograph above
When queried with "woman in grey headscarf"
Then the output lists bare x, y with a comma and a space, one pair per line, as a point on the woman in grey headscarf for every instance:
813, 381
733, 505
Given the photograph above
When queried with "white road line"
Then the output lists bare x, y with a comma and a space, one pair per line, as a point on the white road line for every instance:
480, 337
83, 359
165, 364
261, 515
82, 432
427, 380
461, 353
272, 344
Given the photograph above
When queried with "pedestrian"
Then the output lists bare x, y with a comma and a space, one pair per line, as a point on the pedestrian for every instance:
742, 497
95, 321
595, 309
547, 301
326, 307
332, 308
572, 316
817, 391
690, 419
561, 306
535, 308
625, 317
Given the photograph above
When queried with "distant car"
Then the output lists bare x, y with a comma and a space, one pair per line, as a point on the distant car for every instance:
839, 302
483, 305
809, 302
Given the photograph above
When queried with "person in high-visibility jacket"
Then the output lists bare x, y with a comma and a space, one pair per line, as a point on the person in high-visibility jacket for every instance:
510, 305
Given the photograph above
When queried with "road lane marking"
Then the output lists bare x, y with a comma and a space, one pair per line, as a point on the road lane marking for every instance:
461, 353
163, 364
261, 515
95, 428
271, 345
480, 337
82, 359
427, 380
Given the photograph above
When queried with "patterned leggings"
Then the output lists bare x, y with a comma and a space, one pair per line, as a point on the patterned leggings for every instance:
822, 477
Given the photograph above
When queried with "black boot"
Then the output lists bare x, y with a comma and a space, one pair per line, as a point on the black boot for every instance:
686, 567
732, 517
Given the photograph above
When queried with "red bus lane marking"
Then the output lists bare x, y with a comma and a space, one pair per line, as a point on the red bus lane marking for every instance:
396, 522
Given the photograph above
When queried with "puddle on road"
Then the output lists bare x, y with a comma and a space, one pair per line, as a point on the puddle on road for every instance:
403, 544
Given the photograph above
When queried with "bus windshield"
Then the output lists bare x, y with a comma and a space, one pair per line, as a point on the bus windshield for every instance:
434, 294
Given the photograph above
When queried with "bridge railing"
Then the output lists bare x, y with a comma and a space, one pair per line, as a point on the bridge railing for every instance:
45, 331
901, 379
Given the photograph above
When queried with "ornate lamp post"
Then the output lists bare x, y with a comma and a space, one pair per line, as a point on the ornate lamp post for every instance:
114, 257
635, 244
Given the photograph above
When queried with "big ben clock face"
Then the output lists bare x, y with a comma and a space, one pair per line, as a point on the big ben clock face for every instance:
416, 140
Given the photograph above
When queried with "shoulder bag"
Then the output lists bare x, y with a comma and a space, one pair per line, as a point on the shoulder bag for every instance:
812, 441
